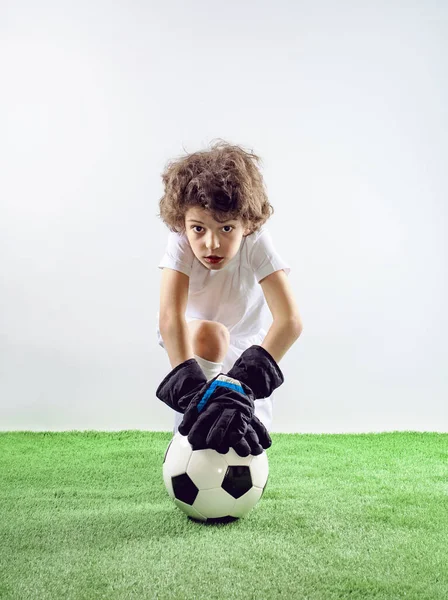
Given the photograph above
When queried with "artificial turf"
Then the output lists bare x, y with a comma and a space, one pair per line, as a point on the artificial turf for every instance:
86, 515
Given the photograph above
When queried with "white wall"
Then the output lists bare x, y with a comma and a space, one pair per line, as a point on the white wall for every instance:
346, 104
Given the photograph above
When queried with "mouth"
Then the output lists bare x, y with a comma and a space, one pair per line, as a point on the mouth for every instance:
214, 259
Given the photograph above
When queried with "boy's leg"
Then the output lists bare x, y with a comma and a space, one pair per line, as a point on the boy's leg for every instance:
200, 337
210, 339
210, 344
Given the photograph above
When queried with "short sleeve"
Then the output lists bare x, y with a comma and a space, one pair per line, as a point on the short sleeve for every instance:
178, 254
264, 259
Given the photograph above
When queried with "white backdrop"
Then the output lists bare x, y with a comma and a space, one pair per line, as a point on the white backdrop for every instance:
346, 104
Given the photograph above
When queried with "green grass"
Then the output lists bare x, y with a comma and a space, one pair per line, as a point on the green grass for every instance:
86, 515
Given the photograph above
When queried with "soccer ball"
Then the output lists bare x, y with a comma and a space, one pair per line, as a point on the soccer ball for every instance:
209, 486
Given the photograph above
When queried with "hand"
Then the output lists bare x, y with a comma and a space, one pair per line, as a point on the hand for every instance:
255, 440
187, 382
218, 415
255, 368
221, 430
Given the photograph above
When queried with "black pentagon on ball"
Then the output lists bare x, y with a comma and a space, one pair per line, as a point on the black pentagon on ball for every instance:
184, 489
237, 480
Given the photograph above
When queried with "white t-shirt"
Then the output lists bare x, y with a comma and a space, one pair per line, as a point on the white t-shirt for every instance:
231, 295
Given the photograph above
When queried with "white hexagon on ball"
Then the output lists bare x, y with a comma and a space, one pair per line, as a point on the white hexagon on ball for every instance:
207, 468
259, 468
215, 503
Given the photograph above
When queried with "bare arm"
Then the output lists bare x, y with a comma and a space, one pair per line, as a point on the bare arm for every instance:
287, 323
176, 337
172, 324
280, 337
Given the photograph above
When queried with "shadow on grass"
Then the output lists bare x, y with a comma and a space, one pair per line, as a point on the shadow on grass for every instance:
214, 522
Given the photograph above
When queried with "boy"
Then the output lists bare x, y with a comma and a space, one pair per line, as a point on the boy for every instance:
221, 276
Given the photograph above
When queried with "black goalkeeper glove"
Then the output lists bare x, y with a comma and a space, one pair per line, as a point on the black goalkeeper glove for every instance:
212, 419
181, 385
232, 422
259, 375
219, 415
254, 440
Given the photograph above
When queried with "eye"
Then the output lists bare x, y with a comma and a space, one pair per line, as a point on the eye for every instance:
230, 228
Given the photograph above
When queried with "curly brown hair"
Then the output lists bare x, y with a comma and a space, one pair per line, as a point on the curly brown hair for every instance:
224, 180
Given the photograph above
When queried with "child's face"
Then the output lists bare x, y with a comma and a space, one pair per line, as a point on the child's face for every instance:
208, 237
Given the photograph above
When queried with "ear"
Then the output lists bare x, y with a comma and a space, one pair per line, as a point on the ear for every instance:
247, 232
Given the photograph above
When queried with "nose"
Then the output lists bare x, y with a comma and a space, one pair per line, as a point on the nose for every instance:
211, 241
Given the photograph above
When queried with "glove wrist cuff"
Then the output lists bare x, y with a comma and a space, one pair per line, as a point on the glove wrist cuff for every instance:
179, 382
258, 369
269, 357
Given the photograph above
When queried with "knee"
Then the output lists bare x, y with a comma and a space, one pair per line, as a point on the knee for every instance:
211, 340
